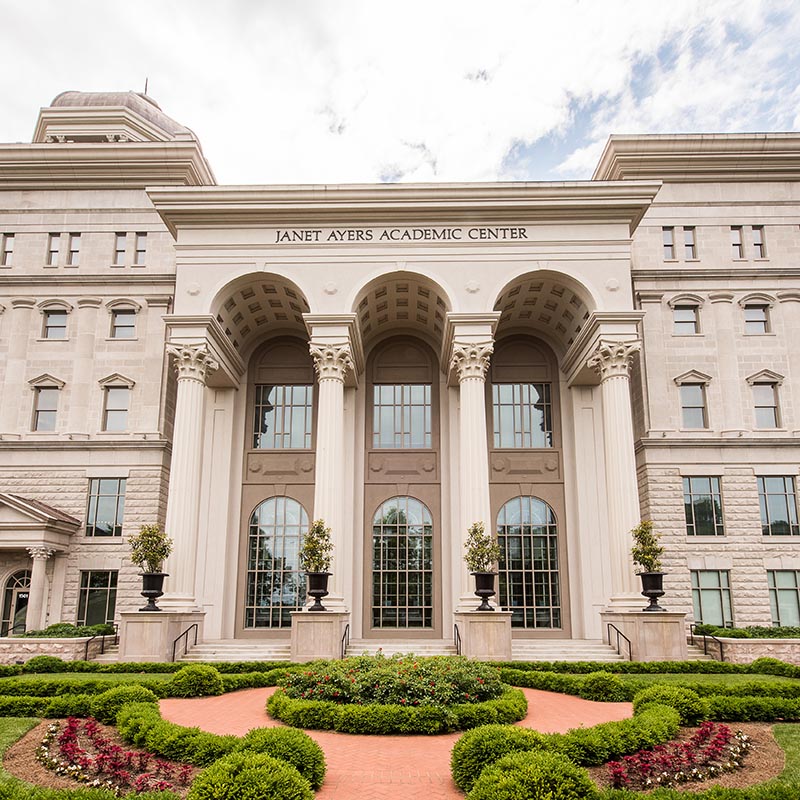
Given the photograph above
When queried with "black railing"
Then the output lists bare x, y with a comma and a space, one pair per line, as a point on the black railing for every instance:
620, 636
706, 637
10, 631
345, 639
102, 637
457, 639
185, 637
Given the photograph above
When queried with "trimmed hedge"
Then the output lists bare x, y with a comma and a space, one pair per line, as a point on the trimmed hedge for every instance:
42, 664
105, 706
753, 709
256, 776
45, 687
686, 702
584, 746
196, 680
750, 632
511, 706
533, 775
292, 746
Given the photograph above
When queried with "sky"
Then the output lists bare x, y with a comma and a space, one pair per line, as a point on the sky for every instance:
342, 91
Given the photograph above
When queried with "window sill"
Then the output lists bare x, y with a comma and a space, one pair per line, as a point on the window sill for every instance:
46, 339
122, 339
766, 333
691, 335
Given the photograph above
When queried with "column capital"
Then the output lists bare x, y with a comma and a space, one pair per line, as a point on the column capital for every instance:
332, 361
471, 359
192, 362
42, 553
612, 359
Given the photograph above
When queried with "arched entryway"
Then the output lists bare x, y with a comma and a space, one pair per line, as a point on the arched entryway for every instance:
15, 603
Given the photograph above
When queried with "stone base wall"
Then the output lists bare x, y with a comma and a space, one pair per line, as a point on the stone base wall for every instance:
18, 651
745, 651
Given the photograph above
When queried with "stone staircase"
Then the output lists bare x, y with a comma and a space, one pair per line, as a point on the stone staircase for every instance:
110, 656
239, 650
419, 647
563, 650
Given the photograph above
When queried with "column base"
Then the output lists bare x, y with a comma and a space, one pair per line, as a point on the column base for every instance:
317, 634
485, 635
149, 635
654, 636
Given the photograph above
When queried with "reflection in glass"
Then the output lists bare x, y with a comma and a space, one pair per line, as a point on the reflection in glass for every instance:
522, 415
282, 417
401, 417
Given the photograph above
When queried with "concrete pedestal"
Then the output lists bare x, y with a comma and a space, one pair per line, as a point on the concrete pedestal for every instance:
148, 635
317, 634
485, 635
654, 635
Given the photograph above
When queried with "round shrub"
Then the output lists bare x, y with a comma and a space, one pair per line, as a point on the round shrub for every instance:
484, 745
196, 680
533, 775
290, 745
691, 707
106, 705
604, 687
44, 664
254, 776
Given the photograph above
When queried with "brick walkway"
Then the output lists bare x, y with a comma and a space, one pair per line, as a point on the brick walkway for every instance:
383, 767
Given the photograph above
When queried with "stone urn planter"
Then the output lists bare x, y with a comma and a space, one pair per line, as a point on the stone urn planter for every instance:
481, 555
152, 589
652, 589
317, 588
315, 559
646, 553
149, 549
484, 588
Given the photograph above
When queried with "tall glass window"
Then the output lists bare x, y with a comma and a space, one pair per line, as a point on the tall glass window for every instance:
765, 405
46, 408
401, 417
97, 597
778, 503
522, 415
711, 595
528, 568
685, 320
668, 235
106, 507
702, 502
283, 416
756, 318
784, 596
402, 565
693, 405
275, 584
15, 603
115, 410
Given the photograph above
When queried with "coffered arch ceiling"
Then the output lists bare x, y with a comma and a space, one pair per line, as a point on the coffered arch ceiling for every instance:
402, 302
255, 306
550, 303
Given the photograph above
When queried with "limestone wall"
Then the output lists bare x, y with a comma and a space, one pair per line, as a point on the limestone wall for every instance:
19, 650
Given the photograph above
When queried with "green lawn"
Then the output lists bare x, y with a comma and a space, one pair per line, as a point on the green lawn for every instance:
788, 737
705, 679
13, 728
83, 677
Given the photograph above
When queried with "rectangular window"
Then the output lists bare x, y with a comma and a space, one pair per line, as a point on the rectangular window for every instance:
778, 505
283, 417
6, 249
115, 413
685, 320
45, 408
106, 507
765, 403
123, 324
401, 416
759, 243
74, 252
737, 241
689, 244
97, 597
120, 246
784, 596
522, 415
141, 250
55, 325
693, 405
702, 502
53, 248
668, 235
756, 319
711, 596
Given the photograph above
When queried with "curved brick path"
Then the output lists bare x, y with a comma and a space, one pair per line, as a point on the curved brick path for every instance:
383, 767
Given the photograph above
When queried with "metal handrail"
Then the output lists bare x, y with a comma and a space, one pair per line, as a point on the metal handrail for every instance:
457, 638
345, 639
185, 635
620, 635
14, 627
102, 642
706, 637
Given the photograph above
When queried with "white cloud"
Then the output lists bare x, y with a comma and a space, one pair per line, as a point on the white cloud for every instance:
356, 90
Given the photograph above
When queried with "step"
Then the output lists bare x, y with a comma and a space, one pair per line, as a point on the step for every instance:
563, 650
110, 656
419, 647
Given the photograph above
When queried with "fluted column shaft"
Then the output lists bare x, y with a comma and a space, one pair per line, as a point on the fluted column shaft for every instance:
193, 363
331, 363
612, 361
37, 600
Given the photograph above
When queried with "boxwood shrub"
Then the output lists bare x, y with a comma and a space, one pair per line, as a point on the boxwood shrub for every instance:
292, 746
603, 686
250, 775
533, 774
196, 680
45, 687
753, 709
691, 707
105, 706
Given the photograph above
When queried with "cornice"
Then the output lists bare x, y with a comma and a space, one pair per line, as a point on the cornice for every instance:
60, 279
466, 203
132, 165
701, 274
699, 158
85, 444
668, 443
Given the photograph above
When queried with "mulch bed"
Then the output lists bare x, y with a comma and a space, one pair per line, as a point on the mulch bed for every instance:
20, 761
764, 762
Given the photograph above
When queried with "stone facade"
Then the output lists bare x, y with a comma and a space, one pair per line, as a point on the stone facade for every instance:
463, 289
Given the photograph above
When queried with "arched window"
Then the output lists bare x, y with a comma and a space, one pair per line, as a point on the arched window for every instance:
15, 603
529, 573
402, 565
275, 585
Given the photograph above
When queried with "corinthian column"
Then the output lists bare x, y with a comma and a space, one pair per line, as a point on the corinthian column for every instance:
470, 361
612, 360
37, 600
192, 364
331, 363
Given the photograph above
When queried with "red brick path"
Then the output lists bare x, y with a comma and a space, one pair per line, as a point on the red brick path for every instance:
383, 767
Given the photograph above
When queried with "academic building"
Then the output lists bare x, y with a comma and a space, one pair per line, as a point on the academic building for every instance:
555, 360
